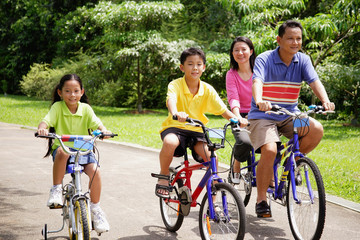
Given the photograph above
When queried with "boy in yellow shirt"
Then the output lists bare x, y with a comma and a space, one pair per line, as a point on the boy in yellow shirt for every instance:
188, 97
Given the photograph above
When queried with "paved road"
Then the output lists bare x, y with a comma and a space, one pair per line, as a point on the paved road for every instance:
127, 197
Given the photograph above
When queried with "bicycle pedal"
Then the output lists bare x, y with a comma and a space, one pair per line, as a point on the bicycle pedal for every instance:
267, 215
56, 207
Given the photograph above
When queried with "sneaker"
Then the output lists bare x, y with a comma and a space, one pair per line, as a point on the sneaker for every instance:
99, 220
236, 178
55, 197
263, 210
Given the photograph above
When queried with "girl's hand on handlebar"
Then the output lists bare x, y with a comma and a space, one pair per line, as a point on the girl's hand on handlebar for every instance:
43, 131
105, 132
181, 116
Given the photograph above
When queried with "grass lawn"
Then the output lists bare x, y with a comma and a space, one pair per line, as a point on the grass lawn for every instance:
338, 154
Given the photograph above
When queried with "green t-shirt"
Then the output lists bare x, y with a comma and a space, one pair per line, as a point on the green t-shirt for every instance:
66, 123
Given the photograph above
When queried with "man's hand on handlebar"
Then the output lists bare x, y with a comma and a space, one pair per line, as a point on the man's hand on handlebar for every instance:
329, 106
264, 106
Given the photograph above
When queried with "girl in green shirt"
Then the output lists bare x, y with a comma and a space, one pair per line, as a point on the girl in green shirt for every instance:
71, 114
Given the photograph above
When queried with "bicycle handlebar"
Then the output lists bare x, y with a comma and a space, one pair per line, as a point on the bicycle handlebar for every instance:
312, 109
72, 138
233, 122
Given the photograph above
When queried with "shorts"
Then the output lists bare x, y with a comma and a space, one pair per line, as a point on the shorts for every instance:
267, 131
187, 139
83, 159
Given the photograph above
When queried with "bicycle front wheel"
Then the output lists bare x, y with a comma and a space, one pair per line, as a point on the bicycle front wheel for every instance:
306, 217
82, 224
229, 222
171, 210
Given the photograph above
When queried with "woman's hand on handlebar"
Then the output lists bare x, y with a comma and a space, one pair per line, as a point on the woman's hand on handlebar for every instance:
243, 122
181, 116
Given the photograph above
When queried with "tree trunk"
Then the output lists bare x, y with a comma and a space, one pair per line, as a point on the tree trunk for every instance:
139, 92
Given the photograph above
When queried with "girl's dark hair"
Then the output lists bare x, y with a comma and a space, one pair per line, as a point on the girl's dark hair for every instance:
65, 78
191, 52
289, 24
57, 98
233, 63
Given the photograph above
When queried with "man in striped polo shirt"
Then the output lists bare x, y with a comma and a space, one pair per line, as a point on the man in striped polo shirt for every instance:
277, 79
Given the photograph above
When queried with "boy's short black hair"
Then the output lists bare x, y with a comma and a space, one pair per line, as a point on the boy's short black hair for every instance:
191, 52
289, 24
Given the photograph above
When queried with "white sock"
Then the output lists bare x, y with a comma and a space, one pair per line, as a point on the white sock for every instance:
94, 206
57, 186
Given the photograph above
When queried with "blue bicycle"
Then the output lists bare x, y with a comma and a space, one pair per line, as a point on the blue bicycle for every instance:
298, 184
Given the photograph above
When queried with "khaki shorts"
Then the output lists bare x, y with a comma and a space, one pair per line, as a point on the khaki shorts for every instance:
267, 131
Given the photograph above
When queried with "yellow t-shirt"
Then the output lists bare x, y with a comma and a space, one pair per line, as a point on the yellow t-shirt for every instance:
206, 100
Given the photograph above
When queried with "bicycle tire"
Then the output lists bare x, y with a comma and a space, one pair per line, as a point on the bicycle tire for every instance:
82, 220
171, 211
231, 227
245, 186
307, 219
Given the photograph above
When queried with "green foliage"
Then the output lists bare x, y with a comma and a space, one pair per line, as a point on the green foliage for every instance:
345, 90
216, 67
40, 81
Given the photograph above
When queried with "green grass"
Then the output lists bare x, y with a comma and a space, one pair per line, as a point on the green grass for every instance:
337, 156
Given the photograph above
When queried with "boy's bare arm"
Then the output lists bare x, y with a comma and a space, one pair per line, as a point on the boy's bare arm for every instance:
171, 105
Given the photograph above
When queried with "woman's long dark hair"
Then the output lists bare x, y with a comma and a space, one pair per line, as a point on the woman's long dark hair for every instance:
57, 98
233, 63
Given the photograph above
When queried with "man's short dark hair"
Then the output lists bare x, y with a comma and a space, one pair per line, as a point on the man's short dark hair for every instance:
289, 24
191, 52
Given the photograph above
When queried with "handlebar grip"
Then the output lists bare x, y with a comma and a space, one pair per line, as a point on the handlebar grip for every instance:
110, 135
275, 108
42, 136
176, 118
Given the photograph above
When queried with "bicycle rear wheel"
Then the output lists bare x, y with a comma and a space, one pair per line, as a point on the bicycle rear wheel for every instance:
307, 218
82, 220
230, 225
171, 210
245, 186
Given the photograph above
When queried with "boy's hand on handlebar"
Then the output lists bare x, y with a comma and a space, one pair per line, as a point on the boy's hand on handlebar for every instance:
181, 116
264, 106
43, 132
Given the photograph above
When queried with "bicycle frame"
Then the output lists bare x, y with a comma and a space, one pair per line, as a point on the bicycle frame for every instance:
209, 176
292, 150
